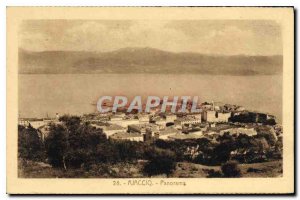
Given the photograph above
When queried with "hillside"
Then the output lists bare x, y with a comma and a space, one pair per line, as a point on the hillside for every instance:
31, 169
145, 60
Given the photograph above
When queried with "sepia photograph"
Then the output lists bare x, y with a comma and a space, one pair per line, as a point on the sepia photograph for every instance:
153, 101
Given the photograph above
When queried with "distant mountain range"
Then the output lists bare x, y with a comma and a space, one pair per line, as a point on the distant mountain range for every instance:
145, 60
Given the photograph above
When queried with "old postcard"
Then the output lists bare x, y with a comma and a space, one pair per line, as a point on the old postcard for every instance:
150, 100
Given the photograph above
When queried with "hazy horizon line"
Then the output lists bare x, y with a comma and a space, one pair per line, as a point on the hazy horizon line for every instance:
152, 48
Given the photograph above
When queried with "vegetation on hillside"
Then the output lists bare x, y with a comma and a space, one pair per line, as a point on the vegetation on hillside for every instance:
74, 144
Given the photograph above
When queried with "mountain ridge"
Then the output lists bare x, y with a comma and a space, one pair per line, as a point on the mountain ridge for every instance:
145, 60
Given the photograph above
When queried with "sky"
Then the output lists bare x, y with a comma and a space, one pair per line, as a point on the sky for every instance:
225, 37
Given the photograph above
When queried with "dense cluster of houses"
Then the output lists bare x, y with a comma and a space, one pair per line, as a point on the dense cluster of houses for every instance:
212, 120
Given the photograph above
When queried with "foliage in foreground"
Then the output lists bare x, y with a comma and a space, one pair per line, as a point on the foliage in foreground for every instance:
160, 162
74, 144
29, 144
231, 169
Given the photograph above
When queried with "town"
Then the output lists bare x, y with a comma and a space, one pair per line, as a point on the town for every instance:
213, 120
229, 137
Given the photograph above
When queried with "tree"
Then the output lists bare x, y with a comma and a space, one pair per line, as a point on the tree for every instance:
231, 169
106, 153
279, 145
268, 133
221, 153
30, 145
74, 143
57, 145
214, 173
160, 162
71, 122
271, 122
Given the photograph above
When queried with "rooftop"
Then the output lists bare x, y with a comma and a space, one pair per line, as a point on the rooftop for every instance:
122, 135
143, 125
113, 127
186, 118
181, 136
168, 131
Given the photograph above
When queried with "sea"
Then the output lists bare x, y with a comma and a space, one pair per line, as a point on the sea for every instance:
44, 95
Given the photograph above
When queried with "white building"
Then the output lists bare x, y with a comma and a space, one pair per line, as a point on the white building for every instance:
160, 121
142, 128
170, 118
143, 118
23, 122
37, 124
182, 136
112, 129
214, 116
186, 120
196, 115
127, 136
116, 118
125, 122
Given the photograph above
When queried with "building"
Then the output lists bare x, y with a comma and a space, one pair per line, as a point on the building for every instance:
154, 111
142, 128
196, 115
237, 131
116, 118
182, 136
186, 120
99, 119
215, 116
112, 129
164, 134
23, 122
125, 122
206, 106
95, 117
36, 123
127, 136
161, 122
143, 118
170, 118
